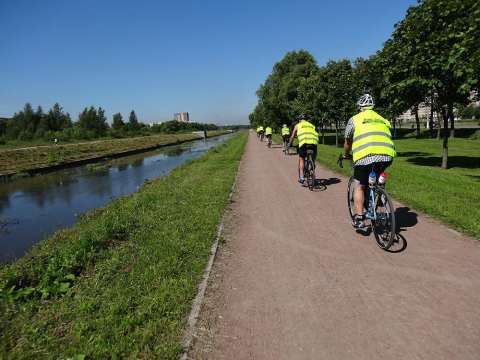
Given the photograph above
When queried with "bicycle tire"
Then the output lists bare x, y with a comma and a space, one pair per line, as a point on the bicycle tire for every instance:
384, 232
350, 201
311, 173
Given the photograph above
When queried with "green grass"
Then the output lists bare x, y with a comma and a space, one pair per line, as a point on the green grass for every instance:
17, 160
119, 284
417, 180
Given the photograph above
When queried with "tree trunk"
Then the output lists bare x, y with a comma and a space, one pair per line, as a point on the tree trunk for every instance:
439, 129
446, 134
323, 133
394, 128
417, 120
336, 133
430, 121
452, 124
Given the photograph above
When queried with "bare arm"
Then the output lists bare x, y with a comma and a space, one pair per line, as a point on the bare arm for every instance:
294, 133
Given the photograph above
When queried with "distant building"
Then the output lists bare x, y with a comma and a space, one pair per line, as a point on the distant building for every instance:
182, 117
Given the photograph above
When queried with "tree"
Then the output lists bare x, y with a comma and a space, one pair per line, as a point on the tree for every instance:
434, 51
133, 124
278, 97
117, 122
92, 122
341, 90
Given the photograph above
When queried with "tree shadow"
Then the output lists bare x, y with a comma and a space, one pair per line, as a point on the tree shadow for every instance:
475, 177
466, 162
411, 153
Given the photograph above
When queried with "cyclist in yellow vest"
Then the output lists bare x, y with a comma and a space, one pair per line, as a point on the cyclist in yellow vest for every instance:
258, 131
268, 134
261, 131
285, 136
307, 139
368, 136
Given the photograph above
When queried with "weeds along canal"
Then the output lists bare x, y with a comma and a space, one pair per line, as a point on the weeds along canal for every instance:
35, 207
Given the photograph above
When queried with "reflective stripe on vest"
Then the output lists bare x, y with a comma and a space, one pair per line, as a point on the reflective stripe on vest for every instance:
371, 135
306, 133
285, 131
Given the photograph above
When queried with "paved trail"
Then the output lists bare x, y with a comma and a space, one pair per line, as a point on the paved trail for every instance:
298, 283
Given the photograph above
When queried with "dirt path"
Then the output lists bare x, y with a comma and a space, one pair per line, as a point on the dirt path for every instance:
294, 281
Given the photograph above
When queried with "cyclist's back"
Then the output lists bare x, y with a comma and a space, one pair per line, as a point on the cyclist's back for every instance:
368, 135
307, 140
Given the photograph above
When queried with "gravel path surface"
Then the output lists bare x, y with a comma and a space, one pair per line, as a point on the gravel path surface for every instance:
294, 281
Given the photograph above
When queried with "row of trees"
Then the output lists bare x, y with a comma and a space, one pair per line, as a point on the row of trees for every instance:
29, 124
432, 57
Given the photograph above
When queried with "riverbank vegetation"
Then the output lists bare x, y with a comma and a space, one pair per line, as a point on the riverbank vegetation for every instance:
36, 126
119, 284
35, 158
431, 58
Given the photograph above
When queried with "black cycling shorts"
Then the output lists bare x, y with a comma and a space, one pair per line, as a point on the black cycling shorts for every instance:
286, 137
361, 172
269, 136
302, 150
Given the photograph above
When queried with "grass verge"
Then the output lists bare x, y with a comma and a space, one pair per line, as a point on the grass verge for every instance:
18, 160
119, 284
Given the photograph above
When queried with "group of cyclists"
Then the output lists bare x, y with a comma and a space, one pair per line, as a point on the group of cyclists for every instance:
367, 137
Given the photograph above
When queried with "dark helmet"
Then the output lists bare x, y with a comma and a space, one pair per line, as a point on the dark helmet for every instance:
301, 117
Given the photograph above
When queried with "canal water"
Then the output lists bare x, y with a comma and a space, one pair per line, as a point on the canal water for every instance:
34, 208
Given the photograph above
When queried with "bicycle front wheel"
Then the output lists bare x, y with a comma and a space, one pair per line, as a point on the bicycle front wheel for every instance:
383, 225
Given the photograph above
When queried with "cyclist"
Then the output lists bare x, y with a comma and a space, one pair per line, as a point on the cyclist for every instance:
258, 131
268, 134
368, 136
261, 131
307, 139
285, 136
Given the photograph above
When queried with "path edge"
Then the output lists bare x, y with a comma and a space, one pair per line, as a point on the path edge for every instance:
202, 287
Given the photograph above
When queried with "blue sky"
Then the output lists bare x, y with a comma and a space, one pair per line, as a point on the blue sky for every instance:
160, 57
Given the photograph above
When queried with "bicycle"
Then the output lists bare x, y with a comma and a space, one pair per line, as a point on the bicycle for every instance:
269, 141
309, 170
286, 146
261, 136
379, 210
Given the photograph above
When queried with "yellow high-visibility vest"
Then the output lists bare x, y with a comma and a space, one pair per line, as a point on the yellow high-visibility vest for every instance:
285, 131
260, 128
268, 130
371, 136
306, 133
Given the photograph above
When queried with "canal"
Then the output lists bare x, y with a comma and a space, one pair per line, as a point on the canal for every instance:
33, 208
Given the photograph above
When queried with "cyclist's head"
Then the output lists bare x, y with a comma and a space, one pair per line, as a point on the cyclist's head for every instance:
365, 101
284, 125
301, 117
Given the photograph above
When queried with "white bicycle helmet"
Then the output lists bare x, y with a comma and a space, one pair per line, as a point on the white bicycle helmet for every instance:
284, 125
365, 100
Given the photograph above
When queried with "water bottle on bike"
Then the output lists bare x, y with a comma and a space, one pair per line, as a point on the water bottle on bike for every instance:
372, 178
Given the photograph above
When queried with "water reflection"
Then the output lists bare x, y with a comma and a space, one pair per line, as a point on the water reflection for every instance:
33, 208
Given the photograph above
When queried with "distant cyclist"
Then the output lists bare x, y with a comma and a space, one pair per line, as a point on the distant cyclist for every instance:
268, 134
368, 136
261, 132
307, 139
285, 136
258, 131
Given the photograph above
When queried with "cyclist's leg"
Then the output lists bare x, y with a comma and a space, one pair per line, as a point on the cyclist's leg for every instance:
302, 153
360, 174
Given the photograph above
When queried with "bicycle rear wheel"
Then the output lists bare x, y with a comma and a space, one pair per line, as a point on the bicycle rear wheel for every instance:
383, 225
350, 201
311, 173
